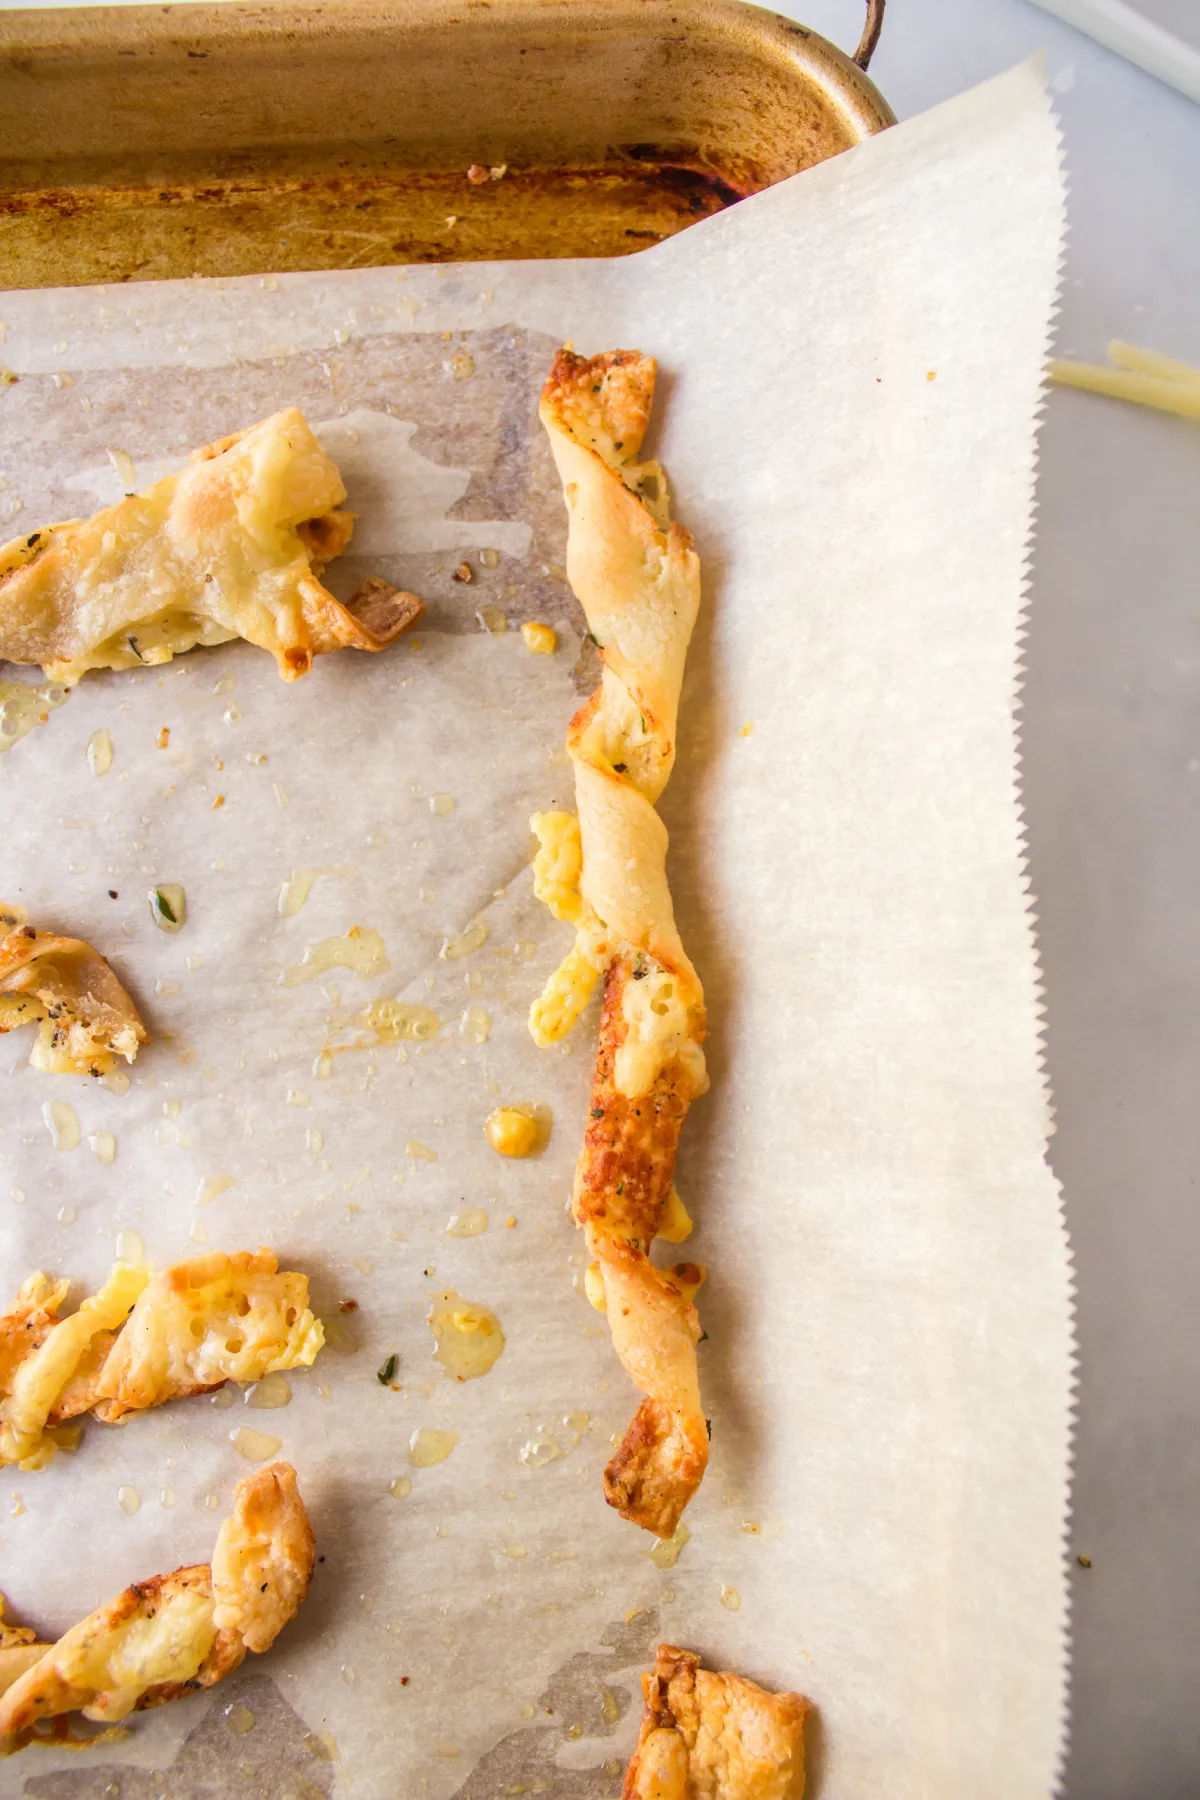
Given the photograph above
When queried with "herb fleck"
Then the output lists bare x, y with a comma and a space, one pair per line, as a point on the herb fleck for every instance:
385, 1375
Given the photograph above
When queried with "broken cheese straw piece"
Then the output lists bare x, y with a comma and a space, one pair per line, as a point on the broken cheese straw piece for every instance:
230, 546
638, 580
145, 1339
85, 1019
715, 1734
177, 1633
1143, 376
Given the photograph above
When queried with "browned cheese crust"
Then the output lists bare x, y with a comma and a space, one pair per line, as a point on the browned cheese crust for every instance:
622, 1184
709, 1736
85, 1017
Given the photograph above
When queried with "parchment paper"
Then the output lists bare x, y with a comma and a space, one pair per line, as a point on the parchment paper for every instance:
847, 412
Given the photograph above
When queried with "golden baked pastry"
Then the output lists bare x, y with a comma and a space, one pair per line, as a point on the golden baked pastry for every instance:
176, 1633
144, 1339
638, 580
230, 546
706, 1736
19, 1650
85, 1019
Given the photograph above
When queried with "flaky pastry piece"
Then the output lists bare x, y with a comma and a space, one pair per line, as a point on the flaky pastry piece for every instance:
638, 581
19, 1650
706, 1736
230, 546
176, 1633
85, 1019
144, 1339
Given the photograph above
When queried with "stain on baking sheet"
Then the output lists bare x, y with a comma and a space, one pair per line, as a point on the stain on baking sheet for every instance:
242, 223
249, 1743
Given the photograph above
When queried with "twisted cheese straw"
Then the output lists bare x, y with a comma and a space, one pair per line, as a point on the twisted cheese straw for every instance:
638, 581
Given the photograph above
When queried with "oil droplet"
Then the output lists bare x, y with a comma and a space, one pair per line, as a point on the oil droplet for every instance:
212, 1501
272, 1391
492, 619
338, 1336
577, 1421
22, 706
198, 1232
472, 1222
129, 1247
239, 1719
103, 1145
323, 1066
298, 1097
212, 1185
222, 1399
18, 1505
468, 1338
476, 1024
391, 1021
539, 1451
490, 559
525, 1710
99, 753
441, 804
166, 1497
299, 884
518, 1552
232, 714
422, 1152
66, 1437
609, 1707
665, 1553
401, 1488
314, 1140
255, 1446
61, 1123
360, 950
168, 906
66, 1215
128, 1499
17, 1196
463, 943
122, 462
224, 684
730, 1598
447, 1747
426, 1447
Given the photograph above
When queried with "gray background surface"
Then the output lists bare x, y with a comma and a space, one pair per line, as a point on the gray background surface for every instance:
1112, 778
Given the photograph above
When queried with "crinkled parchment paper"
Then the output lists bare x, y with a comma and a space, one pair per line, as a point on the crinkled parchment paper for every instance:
847, 412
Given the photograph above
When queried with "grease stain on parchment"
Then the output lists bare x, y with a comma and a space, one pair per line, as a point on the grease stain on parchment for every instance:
278, 1756
585, 1698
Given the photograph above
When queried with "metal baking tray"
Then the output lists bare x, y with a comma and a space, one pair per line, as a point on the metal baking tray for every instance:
138, 143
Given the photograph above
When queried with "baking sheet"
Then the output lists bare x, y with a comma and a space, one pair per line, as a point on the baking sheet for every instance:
850, 380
